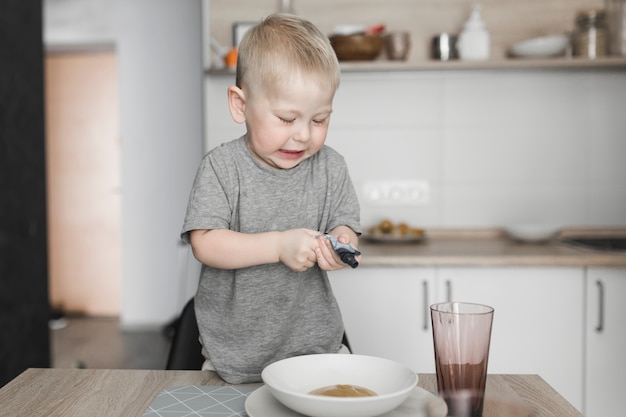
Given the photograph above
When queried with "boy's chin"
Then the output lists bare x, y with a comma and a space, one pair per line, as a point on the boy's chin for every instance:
286, 163
277, 163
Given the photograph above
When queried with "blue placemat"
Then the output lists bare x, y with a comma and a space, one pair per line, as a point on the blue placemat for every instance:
200, 400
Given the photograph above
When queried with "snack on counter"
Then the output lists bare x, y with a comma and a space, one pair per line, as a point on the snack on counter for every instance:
386, 228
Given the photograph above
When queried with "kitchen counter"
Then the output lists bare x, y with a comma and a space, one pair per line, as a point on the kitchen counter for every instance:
487, 248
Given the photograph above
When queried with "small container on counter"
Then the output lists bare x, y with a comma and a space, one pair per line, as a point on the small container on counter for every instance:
590, 37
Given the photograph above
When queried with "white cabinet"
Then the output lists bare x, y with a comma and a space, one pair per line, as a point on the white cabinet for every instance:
537, 320
606, 342
386, 313
556, 322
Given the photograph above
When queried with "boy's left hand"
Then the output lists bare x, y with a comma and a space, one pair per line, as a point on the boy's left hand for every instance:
327, 258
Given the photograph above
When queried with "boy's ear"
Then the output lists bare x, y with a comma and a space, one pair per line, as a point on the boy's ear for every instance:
237, 104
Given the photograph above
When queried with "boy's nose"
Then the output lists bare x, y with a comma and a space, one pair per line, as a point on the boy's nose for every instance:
303, 134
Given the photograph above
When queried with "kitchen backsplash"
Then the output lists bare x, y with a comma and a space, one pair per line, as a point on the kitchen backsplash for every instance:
496, 146
508, 21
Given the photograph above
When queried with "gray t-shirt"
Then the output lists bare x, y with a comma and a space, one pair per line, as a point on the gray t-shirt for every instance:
251, 317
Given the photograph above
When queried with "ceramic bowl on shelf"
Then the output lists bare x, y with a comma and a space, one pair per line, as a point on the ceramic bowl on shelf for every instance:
292, 380
358, 47
544, 46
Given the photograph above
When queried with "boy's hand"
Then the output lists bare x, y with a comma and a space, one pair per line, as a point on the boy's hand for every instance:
296, 248
327, 258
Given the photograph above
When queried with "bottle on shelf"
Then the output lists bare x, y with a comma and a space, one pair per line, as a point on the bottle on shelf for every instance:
590, 38
474, 41
616, 22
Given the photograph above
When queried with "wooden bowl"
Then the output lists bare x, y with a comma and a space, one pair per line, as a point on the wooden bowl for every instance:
357, 47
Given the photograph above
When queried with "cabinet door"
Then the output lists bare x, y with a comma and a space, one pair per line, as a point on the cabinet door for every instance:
386, 313
537, 320
606, 342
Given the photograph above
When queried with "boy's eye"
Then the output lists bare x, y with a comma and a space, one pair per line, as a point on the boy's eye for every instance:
291, 120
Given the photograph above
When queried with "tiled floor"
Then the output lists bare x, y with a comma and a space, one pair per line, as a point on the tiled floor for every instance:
99, 343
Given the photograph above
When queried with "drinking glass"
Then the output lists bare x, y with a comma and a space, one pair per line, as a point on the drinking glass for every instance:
461, 335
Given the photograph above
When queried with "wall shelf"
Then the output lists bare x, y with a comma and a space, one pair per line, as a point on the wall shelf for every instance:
500, 64
512, 63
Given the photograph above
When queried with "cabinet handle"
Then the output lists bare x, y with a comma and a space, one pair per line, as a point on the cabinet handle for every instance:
449, 290
600, 326
426, 304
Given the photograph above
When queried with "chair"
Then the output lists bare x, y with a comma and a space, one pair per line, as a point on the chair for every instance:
186, 351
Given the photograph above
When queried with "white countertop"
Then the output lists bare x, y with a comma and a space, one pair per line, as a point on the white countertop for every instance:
487, 248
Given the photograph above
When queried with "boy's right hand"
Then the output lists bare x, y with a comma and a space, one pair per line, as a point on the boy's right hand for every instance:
296, 248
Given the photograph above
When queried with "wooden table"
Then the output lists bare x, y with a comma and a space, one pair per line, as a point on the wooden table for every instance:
127, 393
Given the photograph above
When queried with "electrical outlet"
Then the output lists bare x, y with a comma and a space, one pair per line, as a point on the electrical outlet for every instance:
396, 192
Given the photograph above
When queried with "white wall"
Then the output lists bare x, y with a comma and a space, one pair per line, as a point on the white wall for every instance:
161, 102
72, 24
159, 45
497, 147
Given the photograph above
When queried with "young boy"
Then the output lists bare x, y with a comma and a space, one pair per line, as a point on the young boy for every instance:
261, 204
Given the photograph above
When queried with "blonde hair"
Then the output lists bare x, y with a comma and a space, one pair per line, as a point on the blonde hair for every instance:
280, 45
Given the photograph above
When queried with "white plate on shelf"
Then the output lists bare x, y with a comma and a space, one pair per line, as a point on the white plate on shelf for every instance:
392, 238
544, 46
261, 403
412, 235
348, 29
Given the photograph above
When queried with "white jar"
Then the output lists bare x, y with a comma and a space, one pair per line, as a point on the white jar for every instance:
474, 43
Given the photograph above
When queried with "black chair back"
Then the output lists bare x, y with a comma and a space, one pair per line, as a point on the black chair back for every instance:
186, 351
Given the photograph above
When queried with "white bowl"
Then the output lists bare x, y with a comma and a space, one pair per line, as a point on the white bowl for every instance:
291, 380
540, 47
532, 233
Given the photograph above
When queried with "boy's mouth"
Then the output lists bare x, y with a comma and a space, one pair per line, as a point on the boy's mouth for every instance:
286, 153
